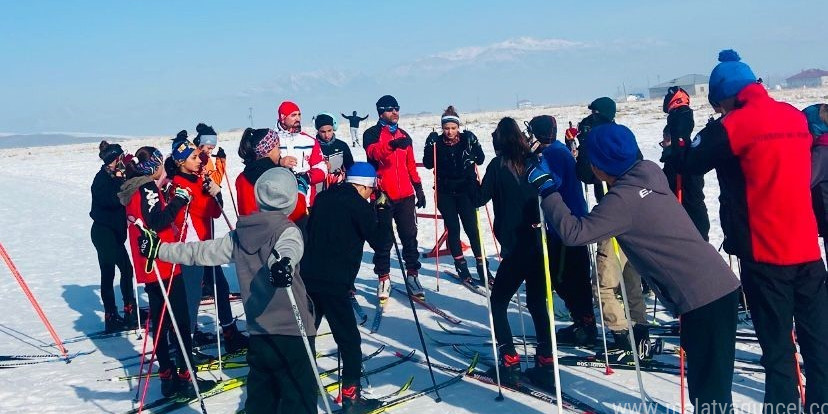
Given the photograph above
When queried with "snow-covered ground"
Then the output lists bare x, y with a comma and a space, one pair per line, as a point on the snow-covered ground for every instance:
44, 225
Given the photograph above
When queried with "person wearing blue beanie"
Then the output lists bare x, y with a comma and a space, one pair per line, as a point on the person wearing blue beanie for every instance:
612, 149
729, 77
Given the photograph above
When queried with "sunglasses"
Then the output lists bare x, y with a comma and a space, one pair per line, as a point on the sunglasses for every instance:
390, 108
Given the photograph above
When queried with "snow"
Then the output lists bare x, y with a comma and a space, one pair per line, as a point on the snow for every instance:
44, 225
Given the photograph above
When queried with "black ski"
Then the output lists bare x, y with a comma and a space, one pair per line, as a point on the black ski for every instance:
363, 318
431, 307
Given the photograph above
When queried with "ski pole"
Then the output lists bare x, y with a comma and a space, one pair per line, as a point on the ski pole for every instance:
593, 269
800, 385
550, 305
312, 360
215, 302
489, 306
229, 188
33, 301
679, 195
436, 237
137, 307
416, 319
489, 216
143, 356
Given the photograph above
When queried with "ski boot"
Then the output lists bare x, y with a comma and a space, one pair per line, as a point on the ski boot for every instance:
185, 384
462, 269
201, 338
114, 323
234, 340
543, 373
413, 282
384, 288
131, 316
509, 366
169, 382
621, 353
489, 276
582, 333
353, 402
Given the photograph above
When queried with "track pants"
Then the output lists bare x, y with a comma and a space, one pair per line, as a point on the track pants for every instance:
610, 271
281, 378
456, 208
403, 213
167, 337
111, 253
339, 313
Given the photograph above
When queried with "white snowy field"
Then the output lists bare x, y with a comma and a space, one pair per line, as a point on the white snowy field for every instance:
44, 225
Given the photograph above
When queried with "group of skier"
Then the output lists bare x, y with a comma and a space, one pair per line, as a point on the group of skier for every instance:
306, 210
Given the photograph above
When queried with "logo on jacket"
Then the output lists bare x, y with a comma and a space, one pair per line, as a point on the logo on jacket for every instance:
645, 192
152, 198
696, 141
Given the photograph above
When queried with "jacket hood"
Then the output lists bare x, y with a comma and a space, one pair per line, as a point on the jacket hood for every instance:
254, 230
129, 187
645, 175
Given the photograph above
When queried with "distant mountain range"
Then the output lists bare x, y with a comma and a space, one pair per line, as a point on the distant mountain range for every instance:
49, 139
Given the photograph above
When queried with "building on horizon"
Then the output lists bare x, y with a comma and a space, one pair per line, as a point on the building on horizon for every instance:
693, 84
810, 78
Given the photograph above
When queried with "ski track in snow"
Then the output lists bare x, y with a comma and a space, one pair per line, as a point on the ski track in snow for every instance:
44, 225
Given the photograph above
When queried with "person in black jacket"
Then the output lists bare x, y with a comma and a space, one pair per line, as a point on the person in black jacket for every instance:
109, 232
516, 224
354, 121
336, 152
341, 221
456, 155
680, 128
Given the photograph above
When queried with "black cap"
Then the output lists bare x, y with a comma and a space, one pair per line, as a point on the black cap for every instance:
544, 128
604, 106
322, 120
386, 101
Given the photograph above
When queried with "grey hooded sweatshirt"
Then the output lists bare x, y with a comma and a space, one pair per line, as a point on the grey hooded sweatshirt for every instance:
655, 233
267, 308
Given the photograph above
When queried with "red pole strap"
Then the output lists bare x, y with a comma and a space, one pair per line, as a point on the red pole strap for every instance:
35, 305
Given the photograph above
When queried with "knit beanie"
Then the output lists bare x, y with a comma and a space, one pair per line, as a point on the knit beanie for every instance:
324, 119
612, 148
109, 152
206, 135
362, 173
286, 108
729, 77
276, 190
387, 101
604, 106
544, 128
816, 125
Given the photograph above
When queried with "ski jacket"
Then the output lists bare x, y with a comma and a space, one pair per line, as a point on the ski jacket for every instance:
455, 164
396, 168
203, 208
246, 196
515, 203
308, 154
655, 233
354, 120
106, 209
143, 200
250, 247
680, 125
562, 163
214, 170
819, 182
761, 153
335, 174
340, 223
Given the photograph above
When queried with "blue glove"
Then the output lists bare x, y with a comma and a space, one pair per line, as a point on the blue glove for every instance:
542, 177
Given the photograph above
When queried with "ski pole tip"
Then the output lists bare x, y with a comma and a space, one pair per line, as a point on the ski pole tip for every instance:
499, 397
438, 399
609, 371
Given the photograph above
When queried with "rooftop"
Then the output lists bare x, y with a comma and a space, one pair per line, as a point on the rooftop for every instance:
809, 74
691, 79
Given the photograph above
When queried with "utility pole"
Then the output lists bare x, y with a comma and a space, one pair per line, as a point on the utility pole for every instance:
250, 109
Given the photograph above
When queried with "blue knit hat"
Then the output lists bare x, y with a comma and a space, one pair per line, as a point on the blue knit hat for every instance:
362, 173
612, 148
729, 77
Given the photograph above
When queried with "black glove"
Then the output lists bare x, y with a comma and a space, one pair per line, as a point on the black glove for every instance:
148, 244
400, 143
221, 154
421, 200
281, 273
431, 139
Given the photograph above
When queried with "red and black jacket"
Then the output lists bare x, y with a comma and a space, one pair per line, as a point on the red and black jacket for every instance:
203, 208
246, 194
761, 153
396, 168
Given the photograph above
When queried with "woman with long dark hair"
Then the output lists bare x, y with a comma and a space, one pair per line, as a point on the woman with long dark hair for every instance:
457, 153
109, 232
516, 222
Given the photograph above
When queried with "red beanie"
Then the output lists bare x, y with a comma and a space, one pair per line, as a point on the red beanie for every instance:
287, 108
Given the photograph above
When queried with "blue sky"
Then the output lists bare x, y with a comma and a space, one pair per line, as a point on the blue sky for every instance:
155, 67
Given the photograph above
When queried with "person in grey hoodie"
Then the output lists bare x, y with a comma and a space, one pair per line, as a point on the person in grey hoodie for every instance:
689, 276
281, 378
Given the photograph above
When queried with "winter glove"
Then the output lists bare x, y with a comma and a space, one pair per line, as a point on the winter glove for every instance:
221, 154
400, 143
211, 188
281, 272
183, 193
382, 200
431, 139
421, 200
303, 180
148, 244
542, 177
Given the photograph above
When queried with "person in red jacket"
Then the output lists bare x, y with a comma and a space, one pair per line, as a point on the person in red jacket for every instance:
760, 149
259, 151
389, 150
146, 204
184, 167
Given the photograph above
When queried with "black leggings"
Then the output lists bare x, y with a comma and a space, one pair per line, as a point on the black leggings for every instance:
456, 208
338, 311
111, 253
178, 301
